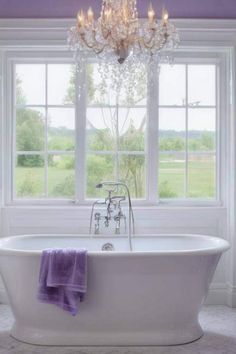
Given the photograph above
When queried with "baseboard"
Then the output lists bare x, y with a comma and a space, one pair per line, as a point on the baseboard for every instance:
231, 296
217, 294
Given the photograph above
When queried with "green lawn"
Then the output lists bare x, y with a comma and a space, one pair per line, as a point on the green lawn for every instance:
201, 179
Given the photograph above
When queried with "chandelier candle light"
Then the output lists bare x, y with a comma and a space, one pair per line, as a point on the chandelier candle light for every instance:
118, 34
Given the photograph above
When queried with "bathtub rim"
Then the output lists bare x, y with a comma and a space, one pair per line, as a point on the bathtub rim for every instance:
221, 245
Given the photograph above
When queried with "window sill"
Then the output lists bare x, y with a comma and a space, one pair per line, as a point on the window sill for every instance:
137, 205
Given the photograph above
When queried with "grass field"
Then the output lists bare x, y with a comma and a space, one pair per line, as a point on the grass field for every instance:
201, 179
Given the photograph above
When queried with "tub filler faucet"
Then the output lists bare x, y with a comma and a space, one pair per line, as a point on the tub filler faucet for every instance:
113, 213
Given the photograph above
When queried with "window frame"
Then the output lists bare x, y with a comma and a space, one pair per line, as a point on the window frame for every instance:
192, 56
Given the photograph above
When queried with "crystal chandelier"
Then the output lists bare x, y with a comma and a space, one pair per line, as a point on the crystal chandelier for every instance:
118, 34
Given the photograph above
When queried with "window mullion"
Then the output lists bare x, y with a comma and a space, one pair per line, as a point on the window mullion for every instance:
220, 146
117, 147
152, 152
186, 134
46, 134
11, 73
80, 132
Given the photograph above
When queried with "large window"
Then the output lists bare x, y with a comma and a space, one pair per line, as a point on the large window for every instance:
162, 140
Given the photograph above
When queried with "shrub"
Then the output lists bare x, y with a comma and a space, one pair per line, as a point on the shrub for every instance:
65, 188
165, 190
29, 186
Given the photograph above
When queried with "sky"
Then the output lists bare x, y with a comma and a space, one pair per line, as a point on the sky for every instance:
172, 92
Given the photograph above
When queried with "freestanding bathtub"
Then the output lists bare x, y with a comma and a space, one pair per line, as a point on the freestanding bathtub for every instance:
151, 296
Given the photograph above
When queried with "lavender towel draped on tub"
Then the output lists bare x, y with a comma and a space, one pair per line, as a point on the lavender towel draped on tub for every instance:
63, 278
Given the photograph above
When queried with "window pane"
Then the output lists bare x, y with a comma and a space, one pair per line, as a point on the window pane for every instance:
132, 172
172, 129
61, 84
30, 84
201, 85
201, 129
98, 168
171, 175
201, 176
101, 129
172, 83
30, 129
61, 176
132, 127
29, 176
61, 129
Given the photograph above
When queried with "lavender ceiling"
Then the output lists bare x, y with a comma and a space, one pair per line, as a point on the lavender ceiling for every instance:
68, 8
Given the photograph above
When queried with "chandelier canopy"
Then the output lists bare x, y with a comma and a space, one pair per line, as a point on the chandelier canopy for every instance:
119, 34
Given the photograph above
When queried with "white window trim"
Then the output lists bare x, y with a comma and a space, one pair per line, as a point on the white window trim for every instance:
18, 48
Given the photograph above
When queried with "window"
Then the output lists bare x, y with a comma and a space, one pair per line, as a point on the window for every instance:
45, 131
163, 140
187, 131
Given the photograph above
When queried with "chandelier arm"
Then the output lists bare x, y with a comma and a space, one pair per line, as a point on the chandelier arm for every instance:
107, 34
148, 42
102, 46
82, 36
93, 47
146, 45
99, 51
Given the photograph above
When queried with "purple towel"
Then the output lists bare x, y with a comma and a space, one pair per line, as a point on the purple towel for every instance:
63, 278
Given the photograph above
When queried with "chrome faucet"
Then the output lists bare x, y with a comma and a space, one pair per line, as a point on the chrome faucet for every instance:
97, 218
113, 210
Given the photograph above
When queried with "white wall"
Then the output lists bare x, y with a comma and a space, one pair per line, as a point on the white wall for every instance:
218, 221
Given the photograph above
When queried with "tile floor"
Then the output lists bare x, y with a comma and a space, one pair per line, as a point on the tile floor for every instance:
218, 322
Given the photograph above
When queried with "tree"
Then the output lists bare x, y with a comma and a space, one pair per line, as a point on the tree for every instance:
29, 130
70, 97
20, 97
171, 144
131, 138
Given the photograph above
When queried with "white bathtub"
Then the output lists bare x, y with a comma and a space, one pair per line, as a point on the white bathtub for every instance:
151, 296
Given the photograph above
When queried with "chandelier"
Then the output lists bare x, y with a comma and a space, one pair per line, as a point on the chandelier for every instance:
118, 34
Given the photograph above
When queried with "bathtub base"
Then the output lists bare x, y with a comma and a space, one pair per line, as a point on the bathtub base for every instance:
150, 338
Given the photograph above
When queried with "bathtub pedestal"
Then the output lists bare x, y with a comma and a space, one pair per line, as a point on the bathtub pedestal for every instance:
158, 338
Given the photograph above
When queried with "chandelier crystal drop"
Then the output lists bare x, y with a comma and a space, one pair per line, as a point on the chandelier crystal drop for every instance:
118, 35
